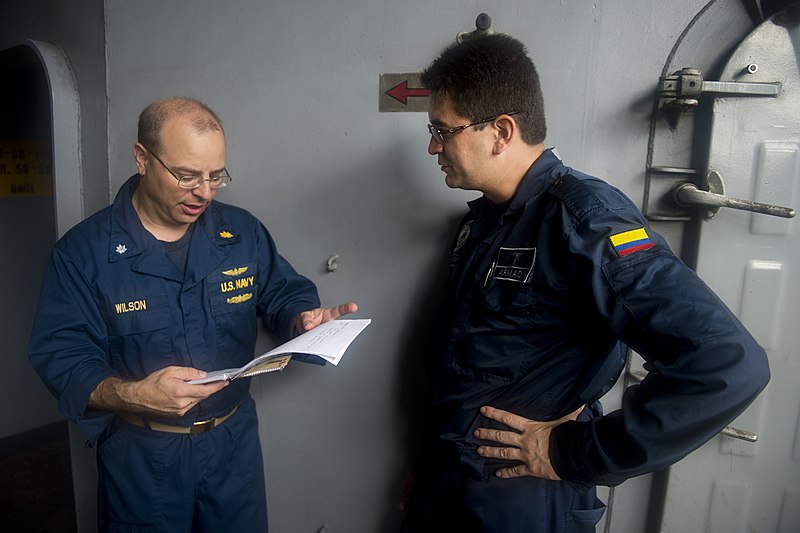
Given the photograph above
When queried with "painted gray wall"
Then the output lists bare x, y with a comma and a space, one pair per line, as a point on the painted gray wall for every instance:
296, 84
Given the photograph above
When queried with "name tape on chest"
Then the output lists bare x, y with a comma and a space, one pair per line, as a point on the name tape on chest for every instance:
514, 264
131, 306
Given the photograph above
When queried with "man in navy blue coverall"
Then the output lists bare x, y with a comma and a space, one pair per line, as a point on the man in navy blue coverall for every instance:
549, 271
151, 293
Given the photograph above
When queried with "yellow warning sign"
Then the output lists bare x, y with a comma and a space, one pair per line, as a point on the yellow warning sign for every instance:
26, 168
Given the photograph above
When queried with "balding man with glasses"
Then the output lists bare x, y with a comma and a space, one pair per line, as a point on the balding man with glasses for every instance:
144, 297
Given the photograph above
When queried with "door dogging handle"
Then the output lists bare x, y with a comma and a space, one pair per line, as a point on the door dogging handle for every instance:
688, 194
728, 431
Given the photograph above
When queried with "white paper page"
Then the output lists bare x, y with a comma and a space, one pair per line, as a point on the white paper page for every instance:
329, 340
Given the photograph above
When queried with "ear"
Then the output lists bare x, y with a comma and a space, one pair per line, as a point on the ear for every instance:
506, 130
140, 157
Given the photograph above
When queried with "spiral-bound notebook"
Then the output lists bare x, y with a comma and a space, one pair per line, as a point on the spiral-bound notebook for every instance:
328, 341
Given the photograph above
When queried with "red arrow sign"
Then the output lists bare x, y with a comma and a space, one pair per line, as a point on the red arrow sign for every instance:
401, 92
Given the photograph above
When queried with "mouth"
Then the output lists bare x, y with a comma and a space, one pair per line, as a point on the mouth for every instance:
193, 209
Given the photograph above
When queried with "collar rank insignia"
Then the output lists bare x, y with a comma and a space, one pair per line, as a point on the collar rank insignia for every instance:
628, 242
225, 234
121, 249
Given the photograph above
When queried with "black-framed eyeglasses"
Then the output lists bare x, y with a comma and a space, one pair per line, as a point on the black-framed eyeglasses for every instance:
438, 133
216, 180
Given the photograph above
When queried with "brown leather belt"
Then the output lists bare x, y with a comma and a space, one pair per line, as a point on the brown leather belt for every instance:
197, 428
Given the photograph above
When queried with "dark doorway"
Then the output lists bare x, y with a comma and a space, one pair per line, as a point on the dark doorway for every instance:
35, 476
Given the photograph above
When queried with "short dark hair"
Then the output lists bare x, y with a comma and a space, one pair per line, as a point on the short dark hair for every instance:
488, 75
154, 116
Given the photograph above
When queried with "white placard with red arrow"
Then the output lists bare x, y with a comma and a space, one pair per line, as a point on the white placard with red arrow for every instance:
403, 92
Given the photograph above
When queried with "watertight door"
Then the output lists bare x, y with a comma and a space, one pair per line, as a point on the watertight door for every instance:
748, 479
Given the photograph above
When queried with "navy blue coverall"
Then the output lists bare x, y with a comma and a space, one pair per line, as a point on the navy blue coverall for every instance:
113, 304
540, 293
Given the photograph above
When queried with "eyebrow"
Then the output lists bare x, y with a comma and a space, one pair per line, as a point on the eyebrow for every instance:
191, 171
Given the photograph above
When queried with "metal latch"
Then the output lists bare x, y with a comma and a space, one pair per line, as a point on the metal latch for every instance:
688, 194
683, 88
678, 96
740, 434
728, 431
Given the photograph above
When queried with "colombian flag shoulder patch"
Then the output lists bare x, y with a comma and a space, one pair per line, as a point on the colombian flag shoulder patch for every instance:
628, 242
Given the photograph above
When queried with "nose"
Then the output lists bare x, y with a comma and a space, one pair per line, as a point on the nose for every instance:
434, 146
204, 191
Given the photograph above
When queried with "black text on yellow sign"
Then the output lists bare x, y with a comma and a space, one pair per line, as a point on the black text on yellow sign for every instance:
26, 168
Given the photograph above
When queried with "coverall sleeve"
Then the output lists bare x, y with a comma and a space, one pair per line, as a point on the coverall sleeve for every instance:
704, 367
68, 343
286, 293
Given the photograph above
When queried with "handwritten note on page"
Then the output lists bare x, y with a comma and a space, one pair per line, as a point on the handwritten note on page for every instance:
328, 341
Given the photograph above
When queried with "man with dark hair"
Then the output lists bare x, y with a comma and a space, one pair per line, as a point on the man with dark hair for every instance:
147, 295
550, 270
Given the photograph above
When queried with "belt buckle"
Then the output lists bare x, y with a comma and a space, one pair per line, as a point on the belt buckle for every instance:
201, 427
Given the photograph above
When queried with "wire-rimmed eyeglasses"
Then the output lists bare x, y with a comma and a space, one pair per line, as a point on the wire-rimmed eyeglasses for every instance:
216, 180
438, 133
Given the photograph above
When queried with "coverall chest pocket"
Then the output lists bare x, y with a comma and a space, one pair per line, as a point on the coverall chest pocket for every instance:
492, 340
137, 327
233, 294
507, 284
504, 297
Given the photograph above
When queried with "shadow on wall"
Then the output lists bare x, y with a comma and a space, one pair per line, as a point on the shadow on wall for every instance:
392, 219
407, 253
